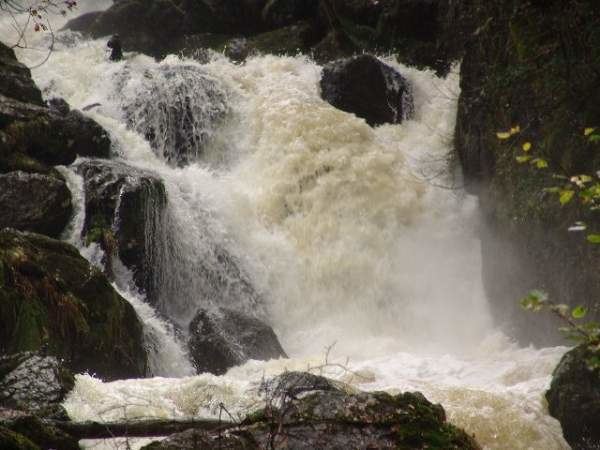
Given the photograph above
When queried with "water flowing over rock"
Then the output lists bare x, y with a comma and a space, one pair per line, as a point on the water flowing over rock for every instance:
327, 415
223, 338
365, 86
33, 382
124, 213
34, 202
51, 298
177, 108
574, 399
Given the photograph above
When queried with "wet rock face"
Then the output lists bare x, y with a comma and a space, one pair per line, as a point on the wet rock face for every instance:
32, 382
124, 207
34, 202
365, 86
329, 415
280, 13
574, 399
51, 298
177, 108
225, 338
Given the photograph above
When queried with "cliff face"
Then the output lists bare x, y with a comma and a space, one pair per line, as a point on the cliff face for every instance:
531, 65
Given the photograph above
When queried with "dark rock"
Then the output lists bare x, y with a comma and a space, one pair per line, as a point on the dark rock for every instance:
34, 202
289, 40
41, 434
574, 399
9, 440
223, 338
365, 86
237, 49
34, 383
280, 13
50, 136
51, 298
124, 207
178, 109
15, 78
335, 417
83, 23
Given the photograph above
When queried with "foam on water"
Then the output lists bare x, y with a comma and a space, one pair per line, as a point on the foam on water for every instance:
343, 231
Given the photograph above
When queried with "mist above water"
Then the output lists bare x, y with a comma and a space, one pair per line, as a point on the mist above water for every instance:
348, 235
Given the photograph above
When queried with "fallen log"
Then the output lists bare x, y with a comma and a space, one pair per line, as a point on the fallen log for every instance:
137, 428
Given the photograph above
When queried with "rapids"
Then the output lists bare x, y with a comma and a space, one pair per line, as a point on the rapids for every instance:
359, 242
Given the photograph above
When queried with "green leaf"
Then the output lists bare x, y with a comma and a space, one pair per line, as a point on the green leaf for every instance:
579, 312
552, 190
565, 196
534, 301
540, 163
593, 238
594, 138
593, 362
523, 158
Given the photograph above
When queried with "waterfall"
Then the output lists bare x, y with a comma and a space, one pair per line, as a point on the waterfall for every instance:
334, 232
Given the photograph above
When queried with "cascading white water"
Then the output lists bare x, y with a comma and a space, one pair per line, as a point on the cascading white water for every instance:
342, 230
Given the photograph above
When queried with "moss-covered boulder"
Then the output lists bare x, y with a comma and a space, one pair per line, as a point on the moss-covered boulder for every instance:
34, 202
51, 298
9, 440
306, 412
574, 399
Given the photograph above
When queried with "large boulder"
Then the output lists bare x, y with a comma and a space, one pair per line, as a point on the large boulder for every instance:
51, 298
34, 383
365, 86
280, 13
223, 338
327, 415
34, 202
178, 109
574, 399
124, 209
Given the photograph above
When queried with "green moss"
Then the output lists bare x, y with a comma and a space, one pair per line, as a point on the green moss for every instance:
9, 440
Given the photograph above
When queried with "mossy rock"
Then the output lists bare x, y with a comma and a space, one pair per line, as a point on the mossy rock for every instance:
329, 415
9, 440
53, 299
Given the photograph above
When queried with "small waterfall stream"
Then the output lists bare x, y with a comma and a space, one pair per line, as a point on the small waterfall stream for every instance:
334, 232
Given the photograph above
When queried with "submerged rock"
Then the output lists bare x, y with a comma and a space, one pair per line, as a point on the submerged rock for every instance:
574, 399
224, 338
365, 86
124, 209
51, 298
34, 383
329, 415
34, 202
177, 108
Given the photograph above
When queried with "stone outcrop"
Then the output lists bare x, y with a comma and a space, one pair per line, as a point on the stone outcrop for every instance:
516, 73
574, 399
51, 299
34, 202
365, 86
124, 210
306, 412
224, 338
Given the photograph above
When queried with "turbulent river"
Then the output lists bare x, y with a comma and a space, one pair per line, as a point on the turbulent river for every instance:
359, 241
